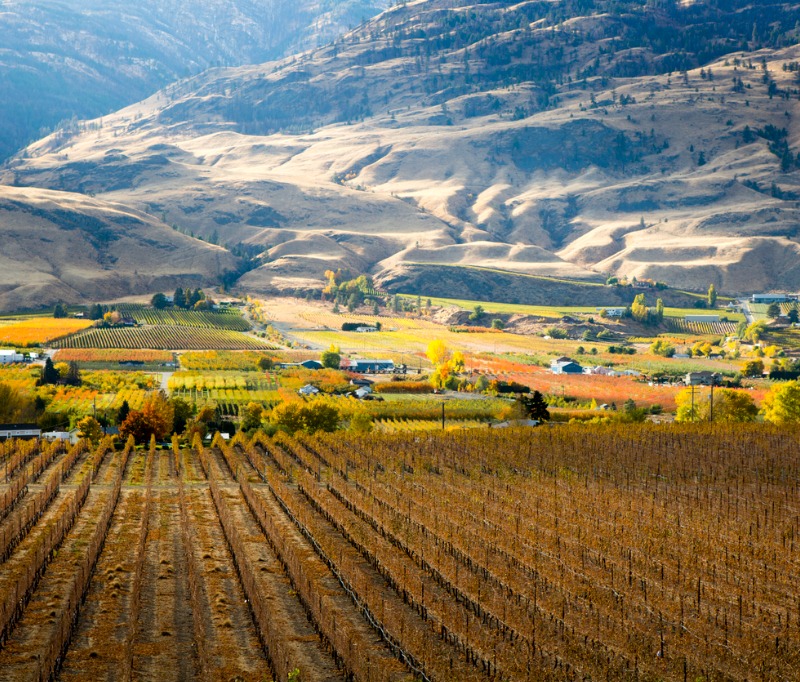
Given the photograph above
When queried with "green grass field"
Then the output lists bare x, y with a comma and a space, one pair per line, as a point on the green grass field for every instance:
560, 311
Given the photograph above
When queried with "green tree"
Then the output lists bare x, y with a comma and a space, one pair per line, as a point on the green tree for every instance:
14, 406
361, 422
639, 309
288, 416
90, 428
733, 406
773, 310
179, 298
123, 412
659, 311
183, 411
251, 417
782, 404
497, 324
754, 331
265, 362
59, 310
73, 375
535, 406
712, 296
316, 415
793, 316
319, 415
662, 347
50, 375
159, 301
476, 314
331, 358
753, 368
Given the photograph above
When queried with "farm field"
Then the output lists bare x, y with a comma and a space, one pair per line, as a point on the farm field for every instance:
557, 311
229, 318
113, 355
691, 327
638, 553
165, 337
228, 390
405, 339
37, 331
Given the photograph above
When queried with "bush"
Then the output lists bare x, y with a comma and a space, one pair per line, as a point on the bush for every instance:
556, 332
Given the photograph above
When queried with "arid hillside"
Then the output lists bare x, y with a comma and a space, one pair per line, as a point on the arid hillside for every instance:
67, 247
557, 139
64, 60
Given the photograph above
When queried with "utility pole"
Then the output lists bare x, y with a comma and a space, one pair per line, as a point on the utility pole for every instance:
711, 413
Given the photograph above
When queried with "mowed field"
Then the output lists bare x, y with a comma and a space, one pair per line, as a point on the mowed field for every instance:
635, 553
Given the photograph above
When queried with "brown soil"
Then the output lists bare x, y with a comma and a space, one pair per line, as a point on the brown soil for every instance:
234, 651
164, 647
97, 648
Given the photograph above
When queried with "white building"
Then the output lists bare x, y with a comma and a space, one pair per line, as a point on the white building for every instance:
9, 356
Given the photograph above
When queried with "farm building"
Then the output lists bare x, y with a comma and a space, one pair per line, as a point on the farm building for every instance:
702, 318
702, 378
25, 431
308, 389
9, 356
612, 312
601, 371
306, 364
70, 436
368, 366
773, 298
565, 366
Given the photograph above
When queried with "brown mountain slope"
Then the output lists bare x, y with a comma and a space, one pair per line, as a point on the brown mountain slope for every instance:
71, 248
414, 140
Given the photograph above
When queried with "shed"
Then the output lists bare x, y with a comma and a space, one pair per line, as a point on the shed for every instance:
23, 431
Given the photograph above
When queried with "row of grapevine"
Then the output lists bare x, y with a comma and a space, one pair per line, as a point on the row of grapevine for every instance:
19, 485
133, 623
109, 355
90, 552
162, 338
517, 521
223, 319
690, 327
17, 594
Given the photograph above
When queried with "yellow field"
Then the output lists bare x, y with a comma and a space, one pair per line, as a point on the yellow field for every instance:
36, 331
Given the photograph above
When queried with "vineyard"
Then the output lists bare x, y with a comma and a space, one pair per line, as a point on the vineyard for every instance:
230, 391
109, 355
686, 327
242, 361
563, 554
37, 331
167, 337
226, 318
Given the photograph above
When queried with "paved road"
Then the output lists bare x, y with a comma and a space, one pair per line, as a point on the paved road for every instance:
165, 376
745, 305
